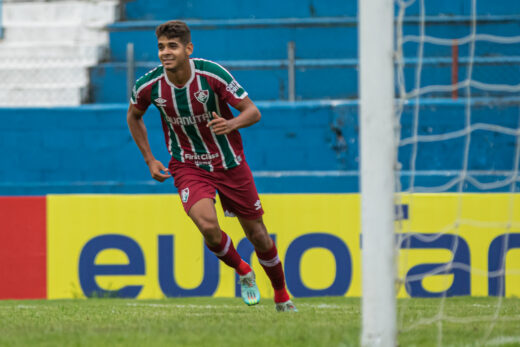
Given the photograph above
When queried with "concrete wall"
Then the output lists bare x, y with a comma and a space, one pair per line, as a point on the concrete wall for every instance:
301, 147
162, 9
255, 51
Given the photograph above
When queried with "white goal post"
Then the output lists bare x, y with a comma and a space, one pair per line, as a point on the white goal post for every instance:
378, 156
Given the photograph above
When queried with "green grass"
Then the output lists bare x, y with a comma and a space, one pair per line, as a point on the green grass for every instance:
228, 322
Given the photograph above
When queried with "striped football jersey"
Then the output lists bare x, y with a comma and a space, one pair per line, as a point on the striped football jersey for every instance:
186, 111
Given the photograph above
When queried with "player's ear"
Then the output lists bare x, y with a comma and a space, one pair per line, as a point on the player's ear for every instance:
189, 48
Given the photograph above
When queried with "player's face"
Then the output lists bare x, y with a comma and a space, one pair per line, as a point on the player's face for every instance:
172, 53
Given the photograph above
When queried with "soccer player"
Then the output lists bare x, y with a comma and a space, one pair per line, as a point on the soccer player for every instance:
192, 96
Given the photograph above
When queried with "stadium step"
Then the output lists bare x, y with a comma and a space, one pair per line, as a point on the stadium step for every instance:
97, 12
43, 75
47, 48
325, 78
44, 95
208, 9
77, 34
17, 53
314, 38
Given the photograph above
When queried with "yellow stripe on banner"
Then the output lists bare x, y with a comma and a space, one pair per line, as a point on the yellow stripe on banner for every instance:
145, 246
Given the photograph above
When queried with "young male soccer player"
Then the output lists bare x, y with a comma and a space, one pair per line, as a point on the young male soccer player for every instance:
202, 136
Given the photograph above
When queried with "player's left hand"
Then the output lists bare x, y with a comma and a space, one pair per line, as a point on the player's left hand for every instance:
219, 125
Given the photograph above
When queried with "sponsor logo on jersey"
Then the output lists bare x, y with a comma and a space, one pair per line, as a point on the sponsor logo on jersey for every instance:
160, 102
205, 156
258, 205
233, 87
185, 194
202, 96
191, 120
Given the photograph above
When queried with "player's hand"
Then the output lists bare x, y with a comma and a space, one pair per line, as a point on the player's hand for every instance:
157, 169
219, 125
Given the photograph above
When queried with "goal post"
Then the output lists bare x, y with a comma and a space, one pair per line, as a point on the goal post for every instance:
378, 157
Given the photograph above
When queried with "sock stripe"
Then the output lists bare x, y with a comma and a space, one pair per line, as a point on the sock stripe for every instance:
271, 262
226, 247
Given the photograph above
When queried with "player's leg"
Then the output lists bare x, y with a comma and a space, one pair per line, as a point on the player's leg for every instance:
267, 253
239, 197
204, 216
197, 193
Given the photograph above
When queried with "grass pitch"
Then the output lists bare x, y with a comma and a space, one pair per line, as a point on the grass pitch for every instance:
228, 322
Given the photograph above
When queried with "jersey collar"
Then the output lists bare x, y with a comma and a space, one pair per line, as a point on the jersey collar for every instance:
192, 66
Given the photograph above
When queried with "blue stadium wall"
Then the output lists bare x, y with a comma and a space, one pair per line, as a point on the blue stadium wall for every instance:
303, 147
306, 147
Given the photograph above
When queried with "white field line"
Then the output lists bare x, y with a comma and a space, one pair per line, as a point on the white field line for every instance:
504, 340
322, 306
26, 306
181, 305
457, 320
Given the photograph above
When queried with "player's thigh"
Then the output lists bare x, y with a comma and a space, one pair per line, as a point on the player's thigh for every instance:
204, 215
193, 185
238, 194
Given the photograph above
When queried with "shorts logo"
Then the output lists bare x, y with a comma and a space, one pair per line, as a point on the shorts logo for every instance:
229, 214
160, 102
258, 205
202, 96
185, 194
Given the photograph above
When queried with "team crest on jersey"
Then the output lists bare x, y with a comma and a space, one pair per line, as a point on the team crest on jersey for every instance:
202, 96
185, 194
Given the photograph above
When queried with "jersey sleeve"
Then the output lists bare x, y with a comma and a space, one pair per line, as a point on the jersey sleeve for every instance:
228, 89
141, 98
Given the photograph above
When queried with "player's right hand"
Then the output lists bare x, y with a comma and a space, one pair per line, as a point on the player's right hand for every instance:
157, 169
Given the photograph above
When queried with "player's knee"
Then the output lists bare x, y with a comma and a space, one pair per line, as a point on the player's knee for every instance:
259, 237
211, 232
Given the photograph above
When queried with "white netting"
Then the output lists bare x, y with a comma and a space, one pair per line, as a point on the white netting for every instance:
445, 212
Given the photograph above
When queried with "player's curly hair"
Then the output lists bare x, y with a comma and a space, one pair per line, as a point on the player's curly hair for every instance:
174, 29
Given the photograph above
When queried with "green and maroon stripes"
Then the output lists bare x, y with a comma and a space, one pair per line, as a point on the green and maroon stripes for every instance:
184, 110
219, 73
174, 146
144, 81
229, 159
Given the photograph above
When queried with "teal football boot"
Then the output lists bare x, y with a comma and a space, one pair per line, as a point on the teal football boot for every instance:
287, 306
249, 289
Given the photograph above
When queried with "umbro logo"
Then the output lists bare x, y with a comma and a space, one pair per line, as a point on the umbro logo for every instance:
229, 214
202, 96
160, 102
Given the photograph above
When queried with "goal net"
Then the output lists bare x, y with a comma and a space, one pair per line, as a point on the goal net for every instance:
456, 168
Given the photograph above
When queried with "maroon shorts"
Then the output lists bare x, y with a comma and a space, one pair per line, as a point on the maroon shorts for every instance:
236, 188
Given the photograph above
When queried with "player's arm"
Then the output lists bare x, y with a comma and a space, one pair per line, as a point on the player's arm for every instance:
134, 118
249, 115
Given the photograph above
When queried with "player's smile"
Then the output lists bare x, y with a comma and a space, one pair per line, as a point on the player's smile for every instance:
172, 53
167, 61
